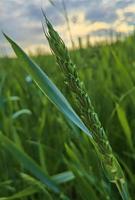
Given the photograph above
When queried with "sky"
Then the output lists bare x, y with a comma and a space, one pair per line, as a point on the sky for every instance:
22, 20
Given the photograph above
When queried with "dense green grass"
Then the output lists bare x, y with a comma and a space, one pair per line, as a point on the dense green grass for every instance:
38, 128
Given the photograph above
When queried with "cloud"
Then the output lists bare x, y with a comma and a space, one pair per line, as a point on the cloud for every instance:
32, 12
123, 4
124, 28
55, 14
130, 18
102, 14
23, 26
129, 14
103, 32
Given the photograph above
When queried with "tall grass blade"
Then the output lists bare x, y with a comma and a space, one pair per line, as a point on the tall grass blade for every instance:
124, 123
63, 177
21, 194
21, 112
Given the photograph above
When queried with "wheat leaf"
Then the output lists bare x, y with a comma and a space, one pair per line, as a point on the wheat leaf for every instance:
48, 87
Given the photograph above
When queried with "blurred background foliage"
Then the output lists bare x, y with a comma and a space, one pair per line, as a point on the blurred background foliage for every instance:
38, 128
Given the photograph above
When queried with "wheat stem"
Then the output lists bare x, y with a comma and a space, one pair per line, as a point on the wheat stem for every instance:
110, 165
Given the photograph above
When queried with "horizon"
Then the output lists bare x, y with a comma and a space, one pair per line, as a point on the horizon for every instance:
95, 19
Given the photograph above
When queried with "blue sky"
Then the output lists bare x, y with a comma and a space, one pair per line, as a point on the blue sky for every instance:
21, 19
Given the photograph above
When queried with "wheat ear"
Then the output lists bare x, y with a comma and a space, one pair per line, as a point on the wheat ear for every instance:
111, 167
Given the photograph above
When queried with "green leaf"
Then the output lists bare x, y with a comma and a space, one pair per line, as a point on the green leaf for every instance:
48, 87
124, 123
21, 112
21, 194
34, 182
28, 163
63, 177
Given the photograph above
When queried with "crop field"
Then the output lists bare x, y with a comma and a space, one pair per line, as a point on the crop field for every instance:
77, 144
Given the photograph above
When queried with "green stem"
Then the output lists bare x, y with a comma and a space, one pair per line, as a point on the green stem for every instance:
122, 187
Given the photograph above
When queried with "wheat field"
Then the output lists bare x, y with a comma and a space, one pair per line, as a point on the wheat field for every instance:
67, 122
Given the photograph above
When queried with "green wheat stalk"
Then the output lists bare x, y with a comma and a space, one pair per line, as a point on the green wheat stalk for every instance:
111, 167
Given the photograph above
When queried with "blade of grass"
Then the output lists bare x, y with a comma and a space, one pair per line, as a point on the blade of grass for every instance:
21, 112
34, 182
63, 177
21, 194
124, 123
